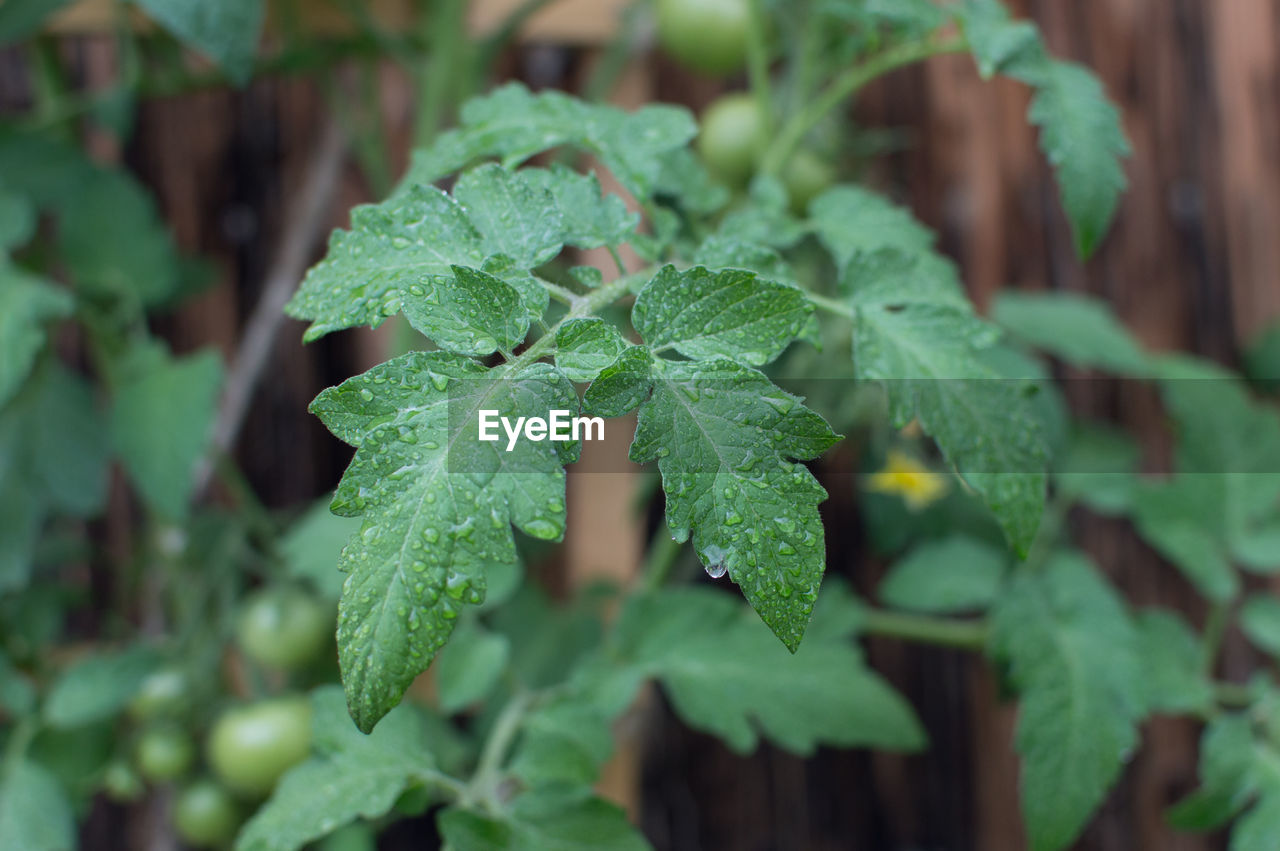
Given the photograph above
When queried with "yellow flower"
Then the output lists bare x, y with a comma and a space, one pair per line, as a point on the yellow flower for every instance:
909, 479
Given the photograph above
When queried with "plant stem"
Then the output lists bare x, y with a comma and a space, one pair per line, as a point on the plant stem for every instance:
447, 38
580, 306
830, 305
758, 60
1233, 695
494, 753
559, 293
664, 553
844, 86
922, 629
1215, 628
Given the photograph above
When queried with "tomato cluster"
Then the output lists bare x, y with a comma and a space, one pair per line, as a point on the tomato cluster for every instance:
248, 745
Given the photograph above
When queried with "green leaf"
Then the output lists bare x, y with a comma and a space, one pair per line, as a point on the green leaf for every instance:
726, 675
1262, 358
622, 386
53, 457
565, 742
1260, 621
915, 333
161, 422
1080, 130
353, 776
591, 218
370, 270
998, 43
34, 812
732, 313
723, 252
1078, 329
514, 124
853, 222
405, 254
586, 346
17, 693
226, 31
17, 217
1221, 503
1172, 657
1097, 468
1230, 444
437, 506
765, 218
1227, 775
1072, 652
470, 666
589, 824
113, 241
726, 441
685, 180
1081, 135
956, 574
1176, 517
98, 686
21, 19
470, 312
516, 216
312, 546
26, 304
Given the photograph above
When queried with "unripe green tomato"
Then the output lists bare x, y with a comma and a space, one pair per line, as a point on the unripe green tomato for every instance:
734, 135
806, 176
250, 746
121, 783
162, 694
164, 754
284, 628
206, 816
706, 35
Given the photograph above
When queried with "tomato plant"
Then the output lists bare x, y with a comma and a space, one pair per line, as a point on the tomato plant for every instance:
727, 289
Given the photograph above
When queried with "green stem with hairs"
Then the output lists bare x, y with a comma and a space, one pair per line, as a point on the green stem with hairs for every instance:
845, 86
923, 629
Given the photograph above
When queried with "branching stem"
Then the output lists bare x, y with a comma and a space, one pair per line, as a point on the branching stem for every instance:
845, 86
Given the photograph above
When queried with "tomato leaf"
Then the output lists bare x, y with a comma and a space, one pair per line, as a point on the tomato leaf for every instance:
573, 824
725, 438
1080, 130
27, 303
437, 506
727, 676
227, 31
352, 776
98, 686
34, 812
514, 124
956, 574
1072, 652
1078, 329
732, 313
586, 346
915, 333
161, 422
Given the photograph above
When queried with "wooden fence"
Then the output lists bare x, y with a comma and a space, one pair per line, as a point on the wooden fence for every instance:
1194, 263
